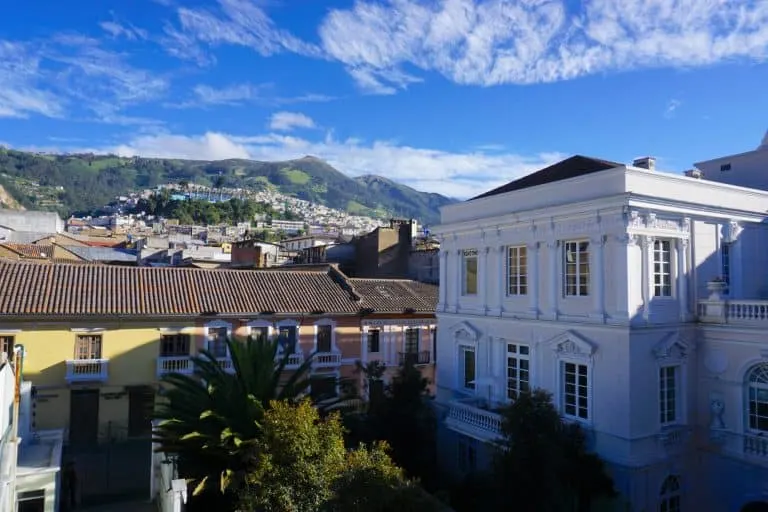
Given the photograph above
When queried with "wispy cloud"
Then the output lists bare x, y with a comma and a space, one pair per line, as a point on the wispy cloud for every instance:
23, 89
234, 22
456, 174
672, 106
128, 31
287, 121
490, 42
232, 95
205, 96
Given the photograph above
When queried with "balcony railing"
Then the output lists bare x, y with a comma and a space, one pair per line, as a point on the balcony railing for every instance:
294, 360
415, 358
87, 370
756, 445
225, 363
475, 418
174, 364
745, 312
326, 359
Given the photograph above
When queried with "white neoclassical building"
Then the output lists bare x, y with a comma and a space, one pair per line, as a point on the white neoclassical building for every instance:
639, 299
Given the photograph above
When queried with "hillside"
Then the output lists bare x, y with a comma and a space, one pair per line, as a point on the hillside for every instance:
83, 183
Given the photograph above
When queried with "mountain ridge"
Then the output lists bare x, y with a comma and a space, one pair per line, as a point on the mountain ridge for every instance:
72, 183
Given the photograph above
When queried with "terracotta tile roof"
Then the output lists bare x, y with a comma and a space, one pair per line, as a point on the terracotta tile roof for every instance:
32, 251
395, 295
34, 289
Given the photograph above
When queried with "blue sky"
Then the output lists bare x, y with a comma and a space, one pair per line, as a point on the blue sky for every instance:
451, 96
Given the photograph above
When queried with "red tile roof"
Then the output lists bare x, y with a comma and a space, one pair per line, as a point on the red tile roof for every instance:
396, 295
33, 251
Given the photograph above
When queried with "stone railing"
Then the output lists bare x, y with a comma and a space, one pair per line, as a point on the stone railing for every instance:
225, 363
472, 417
174, 364
87, 370
326, 359
756, 445
746, 312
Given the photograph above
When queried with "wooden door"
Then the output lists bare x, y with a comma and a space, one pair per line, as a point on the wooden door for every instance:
84, 417
141, 405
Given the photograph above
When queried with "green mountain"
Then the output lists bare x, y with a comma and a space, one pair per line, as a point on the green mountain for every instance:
86, 182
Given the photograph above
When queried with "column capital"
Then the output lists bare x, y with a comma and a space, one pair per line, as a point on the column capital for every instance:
553, 244
628, 239
683, 242
598, 240
647, 241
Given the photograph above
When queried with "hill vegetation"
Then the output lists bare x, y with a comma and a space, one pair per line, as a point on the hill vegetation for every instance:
85, 182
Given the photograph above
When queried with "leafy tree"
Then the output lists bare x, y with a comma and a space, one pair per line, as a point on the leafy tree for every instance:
543, 464
212, 419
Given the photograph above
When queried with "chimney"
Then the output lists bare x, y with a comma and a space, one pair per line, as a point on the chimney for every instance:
694, 173
645, 162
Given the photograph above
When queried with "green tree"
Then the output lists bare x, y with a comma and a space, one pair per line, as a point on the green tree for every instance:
212, 419
542, 452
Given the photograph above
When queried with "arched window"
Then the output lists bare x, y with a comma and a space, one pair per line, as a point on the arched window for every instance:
669, 497
757, 398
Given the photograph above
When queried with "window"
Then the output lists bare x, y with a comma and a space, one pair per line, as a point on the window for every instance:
725, 167
575, 400
373, 340
88, 347
434, 343
174, 345
31, 501
518, 370
669, 497
467, 454
469, 272
668, 394
662, 268
725, 262
517, 270
7, 343
217, 341
260, 333
467, 361
324, 338
576, 269
411, 341
757, 398
322, 388
286, 336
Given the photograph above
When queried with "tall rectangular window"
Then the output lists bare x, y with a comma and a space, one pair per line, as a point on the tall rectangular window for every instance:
88, 347
469, 272
518, 370
467, 362
662, 268
174, 345
7, 343
576, 267
373, 340
668, 394
324, 338
411, 341
286, 336
725, 262
575, 399
517, 270
217, 341
260, 332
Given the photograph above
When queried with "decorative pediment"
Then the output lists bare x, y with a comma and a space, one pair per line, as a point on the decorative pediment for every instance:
672, 347
465, 331
570, 343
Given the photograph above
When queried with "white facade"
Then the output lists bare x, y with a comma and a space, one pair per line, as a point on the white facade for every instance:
596, 289
746, 169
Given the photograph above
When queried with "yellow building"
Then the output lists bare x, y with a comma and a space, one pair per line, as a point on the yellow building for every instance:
97, 338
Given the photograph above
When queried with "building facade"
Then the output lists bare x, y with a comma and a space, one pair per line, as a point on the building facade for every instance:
98, 338
605, 285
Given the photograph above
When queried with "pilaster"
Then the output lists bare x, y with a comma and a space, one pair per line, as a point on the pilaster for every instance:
443, 284
533, 278
646, 243
553, 247
682, 278
598, 274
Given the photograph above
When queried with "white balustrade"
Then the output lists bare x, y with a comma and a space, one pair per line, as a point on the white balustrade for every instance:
467, 417
174, 364
734, 311
326, 359
756, 445
225, 364
87, 370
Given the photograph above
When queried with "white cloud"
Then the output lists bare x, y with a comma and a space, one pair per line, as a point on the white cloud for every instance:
456, 174
489, 42
287, 121
672, 106
23, 91
127, 31
232, 95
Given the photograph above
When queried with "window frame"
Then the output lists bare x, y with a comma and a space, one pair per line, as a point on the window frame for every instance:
370, 339
213, 343
89, 339
581, 278
9, 349
461, 374
324, 330
563, 392
466, 256
760, 367
521, 353
411, 334
657, 269
671, 489
677, 410
517, 269
177, 336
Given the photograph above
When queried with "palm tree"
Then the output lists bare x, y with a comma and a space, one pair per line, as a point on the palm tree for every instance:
211, 419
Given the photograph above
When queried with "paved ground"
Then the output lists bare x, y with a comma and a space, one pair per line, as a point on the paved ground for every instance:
132, 506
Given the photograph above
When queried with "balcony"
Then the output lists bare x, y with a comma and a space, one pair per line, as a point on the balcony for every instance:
294, 360
225, 363
741, 312
756, 446
174, 364
87, 370
414, 358
326, 359
475, 418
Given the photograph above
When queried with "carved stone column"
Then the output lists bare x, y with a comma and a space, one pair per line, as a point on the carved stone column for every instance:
533, 278
457, 285
598, 247
554, 277
443, 285
647, 274
503, 278
682, 278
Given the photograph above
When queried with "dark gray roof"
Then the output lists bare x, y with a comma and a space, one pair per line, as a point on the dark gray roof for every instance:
104, 254
569, 168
